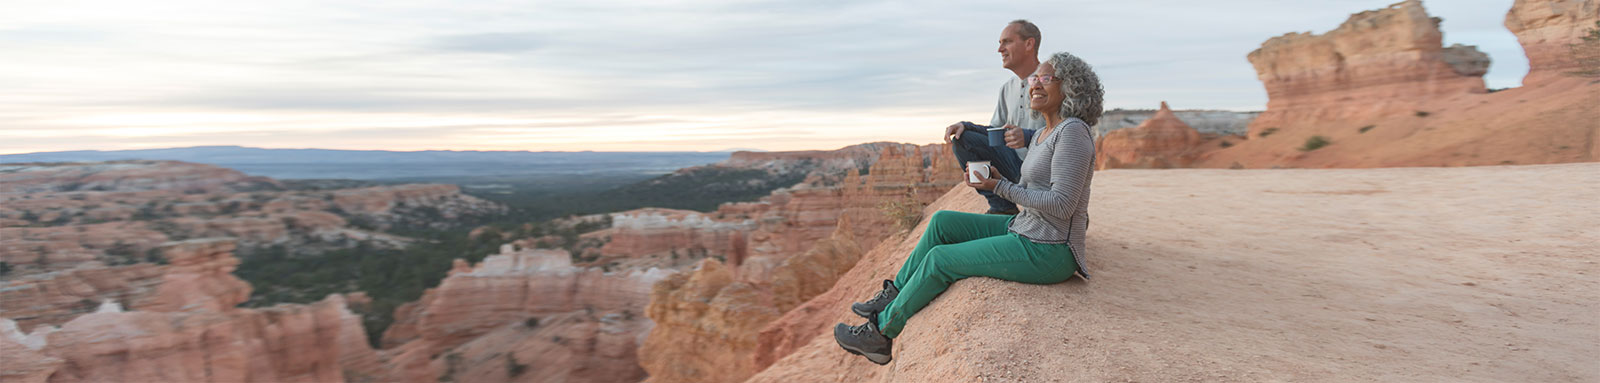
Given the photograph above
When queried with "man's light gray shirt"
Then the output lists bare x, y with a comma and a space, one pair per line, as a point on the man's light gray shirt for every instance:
1013, 109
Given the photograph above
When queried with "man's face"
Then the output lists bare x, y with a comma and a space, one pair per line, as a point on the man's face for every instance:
1013, 49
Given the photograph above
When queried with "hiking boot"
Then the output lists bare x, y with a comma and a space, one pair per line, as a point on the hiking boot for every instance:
872, 307
1011, 211
864, 340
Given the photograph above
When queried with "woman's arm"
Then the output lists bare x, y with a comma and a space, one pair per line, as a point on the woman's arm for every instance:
1070, 165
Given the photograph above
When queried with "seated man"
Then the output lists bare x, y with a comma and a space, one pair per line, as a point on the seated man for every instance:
1019, 52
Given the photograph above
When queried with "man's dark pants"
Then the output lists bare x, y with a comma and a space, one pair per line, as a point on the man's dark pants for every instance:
974, 146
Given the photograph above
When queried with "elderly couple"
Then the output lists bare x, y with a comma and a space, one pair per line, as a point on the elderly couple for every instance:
1038, 200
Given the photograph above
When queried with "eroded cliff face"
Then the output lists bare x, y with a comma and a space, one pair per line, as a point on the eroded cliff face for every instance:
1161, 142
677, 234
184, 327
1379, 91
578, 346
708, 320
196, 275
561, 320
1392, 54
1552, 34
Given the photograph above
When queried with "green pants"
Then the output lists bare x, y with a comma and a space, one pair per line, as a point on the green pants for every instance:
959, 245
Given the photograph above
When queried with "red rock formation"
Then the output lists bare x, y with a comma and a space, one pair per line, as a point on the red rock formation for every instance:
185, 328
1377, 92
505, 291
1551, 33
198, 275
22, 362
707, 321
706, 325
573, 347
1161, 142
1377, 62
656, 231
321, 342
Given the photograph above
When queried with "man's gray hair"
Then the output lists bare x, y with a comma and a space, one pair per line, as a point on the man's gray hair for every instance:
1081, 86
1028, 31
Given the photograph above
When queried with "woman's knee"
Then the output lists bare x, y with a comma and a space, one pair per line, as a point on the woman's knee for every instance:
939, 219
940, 257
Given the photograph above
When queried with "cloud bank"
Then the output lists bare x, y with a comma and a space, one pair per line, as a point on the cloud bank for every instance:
611, 75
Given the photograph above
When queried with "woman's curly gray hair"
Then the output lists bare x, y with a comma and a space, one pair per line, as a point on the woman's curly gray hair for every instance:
1080, 84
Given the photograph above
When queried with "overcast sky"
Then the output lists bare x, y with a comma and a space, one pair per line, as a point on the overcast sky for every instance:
656, 75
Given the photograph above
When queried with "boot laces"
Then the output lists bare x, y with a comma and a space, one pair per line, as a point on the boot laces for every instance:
881, 295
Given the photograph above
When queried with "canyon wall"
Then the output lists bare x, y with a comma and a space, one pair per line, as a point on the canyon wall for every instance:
1377, 62
708, 320
1380, 91
1552, 33
558, 320
184, 327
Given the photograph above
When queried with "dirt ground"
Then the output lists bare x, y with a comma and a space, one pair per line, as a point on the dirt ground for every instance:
1482, 274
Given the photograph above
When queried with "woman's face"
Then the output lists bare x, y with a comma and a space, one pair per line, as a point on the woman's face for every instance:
1044, 90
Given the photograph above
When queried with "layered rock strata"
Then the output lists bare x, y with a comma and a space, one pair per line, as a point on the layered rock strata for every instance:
708, 320
1161, 142
1560, 37
196, 275
185, 328
1378, 92
599, 313
1377, 62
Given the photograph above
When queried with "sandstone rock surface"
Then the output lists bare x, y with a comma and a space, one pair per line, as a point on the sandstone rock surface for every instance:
197, 275
1367, 274
799, 241
1379, 92
588, 322
1551, 33
1161, 142
185, 328
1377, 62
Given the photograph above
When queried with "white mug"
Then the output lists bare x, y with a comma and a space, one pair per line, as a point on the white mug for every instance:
975, 169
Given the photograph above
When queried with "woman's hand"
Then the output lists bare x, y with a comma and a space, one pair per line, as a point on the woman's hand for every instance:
984, 183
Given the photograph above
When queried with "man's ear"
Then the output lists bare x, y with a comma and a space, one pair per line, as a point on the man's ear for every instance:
1033, 43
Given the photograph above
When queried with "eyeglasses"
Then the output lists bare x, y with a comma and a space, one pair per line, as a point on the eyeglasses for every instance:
1047, 79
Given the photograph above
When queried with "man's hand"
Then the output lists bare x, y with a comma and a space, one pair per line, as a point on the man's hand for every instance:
1014, 137
984, 183
954, 131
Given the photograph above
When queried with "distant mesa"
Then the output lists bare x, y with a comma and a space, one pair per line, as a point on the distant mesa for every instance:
411, 166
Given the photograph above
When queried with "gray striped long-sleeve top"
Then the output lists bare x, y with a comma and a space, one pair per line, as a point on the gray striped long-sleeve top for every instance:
1054, 192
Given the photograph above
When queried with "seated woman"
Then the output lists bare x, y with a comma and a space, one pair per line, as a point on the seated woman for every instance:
1042, 245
